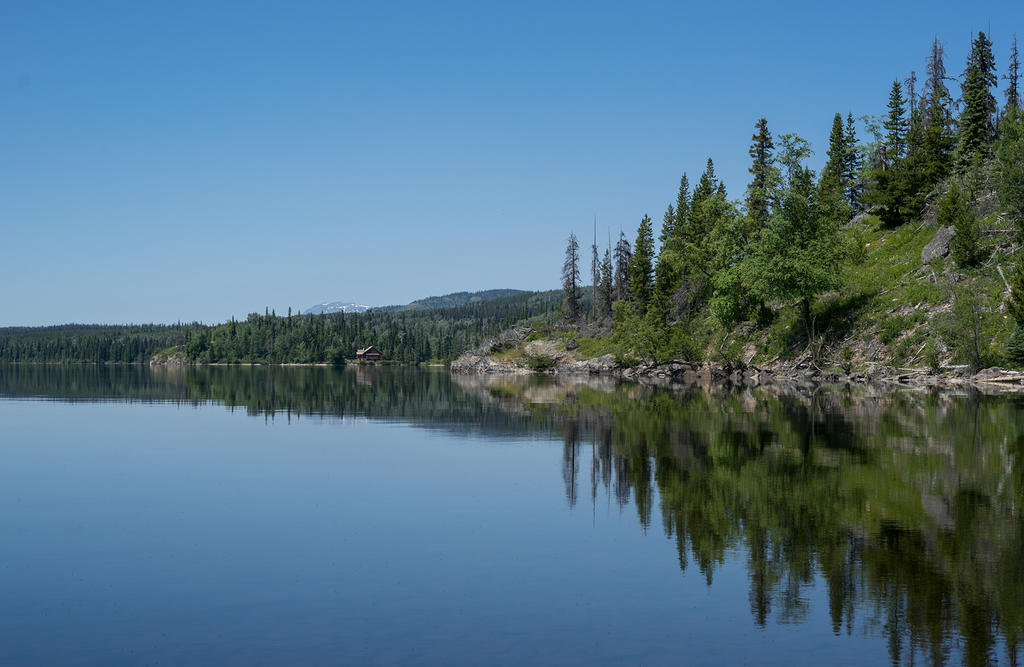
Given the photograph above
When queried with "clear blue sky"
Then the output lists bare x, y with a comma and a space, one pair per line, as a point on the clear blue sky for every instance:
196, 160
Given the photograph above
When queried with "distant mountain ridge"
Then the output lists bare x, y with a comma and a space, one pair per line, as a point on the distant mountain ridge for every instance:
336, 307
455, 299
452, 300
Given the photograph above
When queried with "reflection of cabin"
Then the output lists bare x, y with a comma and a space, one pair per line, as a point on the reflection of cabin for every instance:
369, 354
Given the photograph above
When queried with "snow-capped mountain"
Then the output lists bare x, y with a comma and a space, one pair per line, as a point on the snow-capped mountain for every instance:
336, 307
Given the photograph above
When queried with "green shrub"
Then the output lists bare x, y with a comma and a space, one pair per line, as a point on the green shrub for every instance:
891, 328
540, 363
955, 211
846, 359
858, 246
1015, 347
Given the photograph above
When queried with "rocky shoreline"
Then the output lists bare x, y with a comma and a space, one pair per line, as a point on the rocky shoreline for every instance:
679, 373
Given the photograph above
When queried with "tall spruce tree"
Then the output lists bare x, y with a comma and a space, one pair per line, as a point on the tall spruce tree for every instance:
668, 225
623, 254
641, 269
1012, 77
696, 228
835, 166
895, 125
853, 163
937, 137
978, 120
605, 293
595, 272
910, 84
1010, 164
832, 184
682, 203
761, 147
571, 279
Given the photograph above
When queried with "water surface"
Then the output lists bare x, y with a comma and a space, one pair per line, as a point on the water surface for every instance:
395, 515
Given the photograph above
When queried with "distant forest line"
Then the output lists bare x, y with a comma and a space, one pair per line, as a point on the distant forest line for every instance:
409, 336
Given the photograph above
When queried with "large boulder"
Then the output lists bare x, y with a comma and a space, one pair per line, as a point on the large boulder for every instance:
939, 245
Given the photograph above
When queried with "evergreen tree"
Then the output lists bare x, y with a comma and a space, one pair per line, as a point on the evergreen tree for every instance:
1012, 77
706, 185
955, 211
895, 125
977, 122
595, 275
696, 227
571, 279
623, 254
666, 276
1010, 164
853, 163
641, 270
832, 186
1015, 307
836, 163
682, 203
605, 292
910, 84
938, 137
761, 167
668, 225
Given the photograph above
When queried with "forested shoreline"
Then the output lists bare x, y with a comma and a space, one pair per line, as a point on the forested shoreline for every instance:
804, 263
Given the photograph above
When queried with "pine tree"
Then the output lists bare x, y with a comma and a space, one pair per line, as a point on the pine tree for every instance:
571, 279
1012, 77
853, 163
696, 226
666, 277
937, 119
910, 83
977, 122
706, 185
1010, 164
595, 268
895, 124
835, 166
762, 160
832, 186
641, 271
605, 293
683, 202
668, 225
623, 255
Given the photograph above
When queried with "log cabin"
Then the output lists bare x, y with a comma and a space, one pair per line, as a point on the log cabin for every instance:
369, 354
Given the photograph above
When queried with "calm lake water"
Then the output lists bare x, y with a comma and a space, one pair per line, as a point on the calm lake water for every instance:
395, 515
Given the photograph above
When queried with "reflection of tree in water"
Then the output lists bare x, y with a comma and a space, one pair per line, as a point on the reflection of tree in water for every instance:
907, 508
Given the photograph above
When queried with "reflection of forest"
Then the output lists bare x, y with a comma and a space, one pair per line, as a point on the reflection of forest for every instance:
907, 506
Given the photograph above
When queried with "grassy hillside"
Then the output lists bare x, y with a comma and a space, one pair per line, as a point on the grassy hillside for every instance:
893, 309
